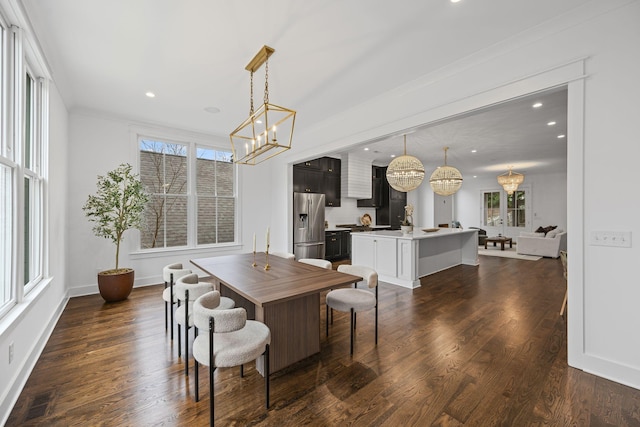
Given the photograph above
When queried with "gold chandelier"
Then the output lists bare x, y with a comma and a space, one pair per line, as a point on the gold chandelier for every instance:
256, 139
510, 180
445, 180
405, 173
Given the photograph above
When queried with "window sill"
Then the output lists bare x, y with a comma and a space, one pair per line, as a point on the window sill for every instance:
16, 311
154, 253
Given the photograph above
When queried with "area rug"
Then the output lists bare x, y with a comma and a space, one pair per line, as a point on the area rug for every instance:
507, 253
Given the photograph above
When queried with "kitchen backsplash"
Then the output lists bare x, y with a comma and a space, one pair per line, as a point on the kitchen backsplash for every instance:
347, 213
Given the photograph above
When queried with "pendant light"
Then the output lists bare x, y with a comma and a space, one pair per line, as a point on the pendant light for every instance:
267, 131
445, 180
405, 173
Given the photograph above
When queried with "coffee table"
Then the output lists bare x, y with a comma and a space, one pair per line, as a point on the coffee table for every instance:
499, 239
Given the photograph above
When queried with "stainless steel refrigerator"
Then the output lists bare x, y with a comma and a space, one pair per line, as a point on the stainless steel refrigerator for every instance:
308, 225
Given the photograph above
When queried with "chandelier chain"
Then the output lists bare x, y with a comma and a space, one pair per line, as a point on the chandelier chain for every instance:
266, 81
251, 96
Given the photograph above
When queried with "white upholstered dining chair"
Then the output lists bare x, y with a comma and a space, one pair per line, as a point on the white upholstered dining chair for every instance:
322, 263
285, 255
187, 289
231, 340
353, 300
170, 274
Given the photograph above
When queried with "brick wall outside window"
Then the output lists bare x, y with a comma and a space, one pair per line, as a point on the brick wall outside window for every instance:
166, 217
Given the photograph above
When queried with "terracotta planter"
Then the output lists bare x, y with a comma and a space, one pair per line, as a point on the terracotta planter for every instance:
115, 286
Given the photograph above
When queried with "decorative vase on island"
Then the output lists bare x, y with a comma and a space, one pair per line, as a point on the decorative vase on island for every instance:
406, 229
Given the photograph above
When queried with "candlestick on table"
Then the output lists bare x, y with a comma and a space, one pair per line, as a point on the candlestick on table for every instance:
267, 267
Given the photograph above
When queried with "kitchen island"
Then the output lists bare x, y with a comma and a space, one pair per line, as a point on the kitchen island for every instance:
402, 259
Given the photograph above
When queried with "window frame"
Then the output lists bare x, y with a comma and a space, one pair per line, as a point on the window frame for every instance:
21, 63
193, 143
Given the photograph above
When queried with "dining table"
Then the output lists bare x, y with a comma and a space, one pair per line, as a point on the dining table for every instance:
285, 297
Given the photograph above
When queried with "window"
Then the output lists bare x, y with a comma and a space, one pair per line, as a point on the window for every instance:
192, 194
32, 193
516, 209
6, 237
215, 196
491, 209
23, 141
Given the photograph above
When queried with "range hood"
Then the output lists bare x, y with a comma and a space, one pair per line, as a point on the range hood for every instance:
356, 177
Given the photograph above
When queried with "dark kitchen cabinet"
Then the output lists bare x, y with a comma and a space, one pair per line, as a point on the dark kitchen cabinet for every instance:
333, 245
312, 164
307, 180
391, 209
332, 189
332, 184
319, 176
337, 245
376, 190
346, 244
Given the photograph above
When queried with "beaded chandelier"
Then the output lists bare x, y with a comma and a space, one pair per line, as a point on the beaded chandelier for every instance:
445, 180
405, 173
510, 180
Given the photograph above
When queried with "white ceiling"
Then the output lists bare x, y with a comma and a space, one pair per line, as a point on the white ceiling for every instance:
330, 56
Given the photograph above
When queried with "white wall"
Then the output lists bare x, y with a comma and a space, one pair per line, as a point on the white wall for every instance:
32, 321
548, 200
602, 142
99, 144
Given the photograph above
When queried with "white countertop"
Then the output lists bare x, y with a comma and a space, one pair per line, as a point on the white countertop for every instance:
416, 234
330, 229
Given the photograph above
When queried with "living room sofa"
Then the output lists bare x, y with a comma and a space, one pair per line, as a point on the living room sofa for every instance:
541, 245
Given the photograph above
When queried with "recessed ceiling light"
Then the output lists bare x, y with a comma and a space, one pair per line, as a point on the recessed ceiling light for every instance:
366, 148
537, 105
561, 136
393, 155
551, 123
259, 121
455, 1
150, 94
475, 176
474, 151
212, 110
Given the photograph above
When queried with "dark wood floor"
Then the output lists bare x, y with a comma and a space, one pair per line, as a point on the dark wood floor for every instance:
473, 346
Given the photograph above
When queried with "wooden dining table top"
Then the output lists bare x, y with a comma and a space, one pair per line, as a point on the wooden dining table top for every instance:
286, 279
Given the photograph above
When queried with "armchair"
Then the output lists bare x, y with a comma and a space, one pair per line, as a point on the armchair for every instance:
482, 235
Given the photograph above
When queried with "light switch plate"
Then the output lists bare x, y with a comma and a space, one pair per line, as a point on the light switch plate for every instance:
620, 239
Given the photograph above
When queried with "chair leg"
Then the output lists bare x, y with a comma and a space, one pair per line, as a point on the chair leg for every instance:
171, 306
266, 374
166, 312
353, 318
564, 303
197, 388
186, 334
376, 315
179, 339
241, 371
326, 318
211, 368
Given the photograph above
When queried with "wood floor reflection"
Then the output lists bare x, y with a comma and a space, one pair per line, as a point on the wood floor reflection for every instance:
473, 346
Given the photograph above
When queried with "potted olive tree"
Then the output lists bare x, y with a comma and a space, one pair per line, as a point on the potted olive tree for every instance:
117, 206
